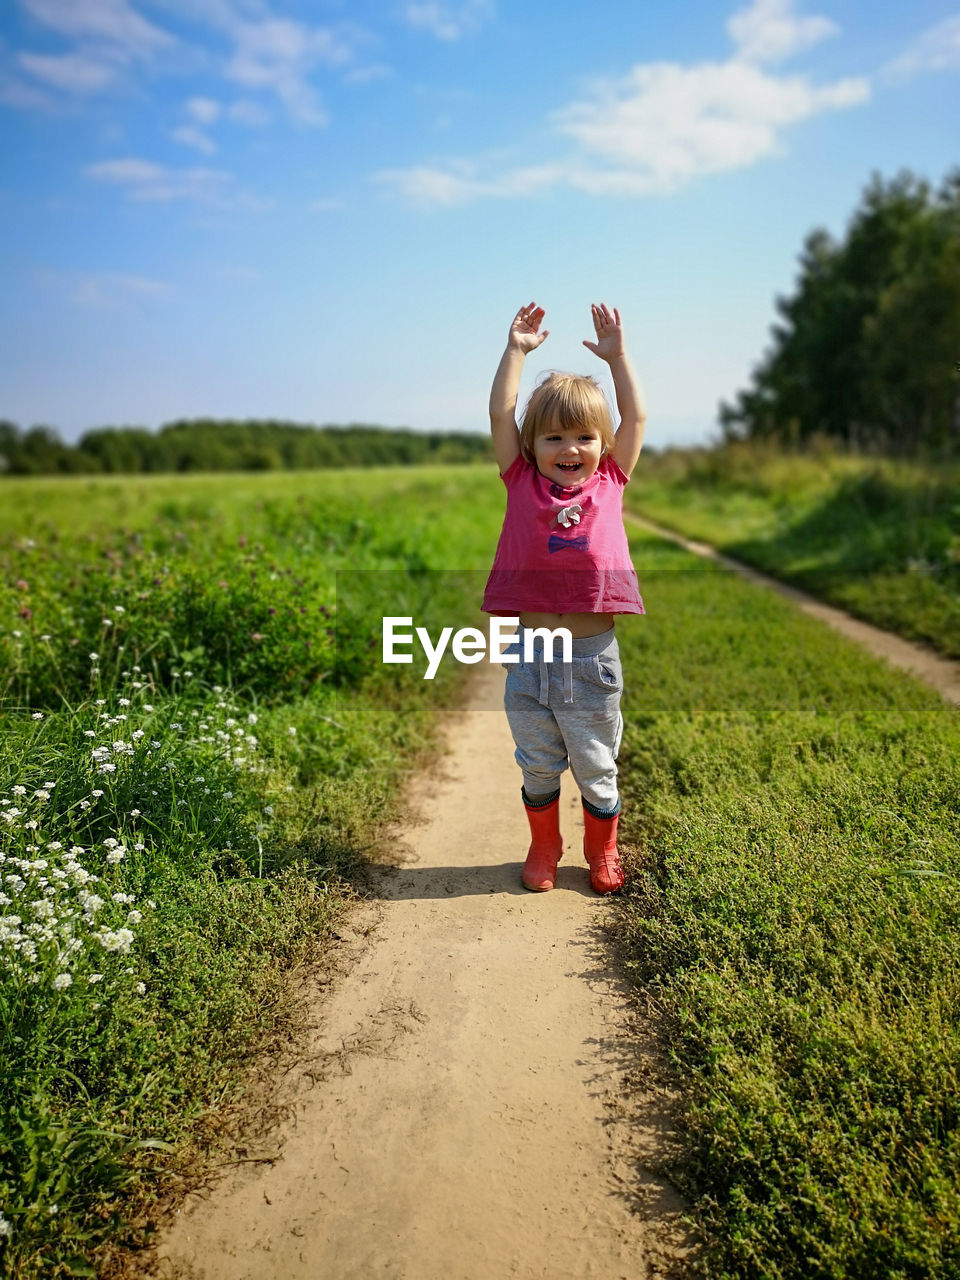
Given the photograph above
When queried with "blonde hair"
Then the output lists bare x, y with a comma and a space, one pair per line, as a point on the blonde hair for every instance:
565, 400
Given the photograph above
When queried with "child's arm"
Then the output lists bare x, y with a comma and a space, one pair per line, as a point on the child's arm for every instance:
610, 346
525, 336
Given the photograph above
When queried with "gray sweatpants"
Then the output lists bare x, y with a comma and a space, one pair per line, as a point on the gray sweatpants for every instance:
567, 713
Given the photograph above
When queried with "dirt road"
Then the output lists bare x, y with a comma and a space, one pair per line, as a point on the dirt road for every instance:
942, 674
471, 1121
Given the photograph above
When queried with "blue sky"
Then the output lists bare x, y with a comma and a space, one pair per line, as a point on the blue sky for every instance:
330, 211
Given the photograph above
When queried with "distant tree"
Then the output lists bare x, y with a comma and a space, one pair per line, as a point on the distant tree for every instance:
864, 348
9, 444
206, 444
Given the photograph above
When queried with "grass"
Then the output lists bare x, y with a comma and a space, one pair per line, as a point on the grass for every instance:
878, 537
792, 809
790, 815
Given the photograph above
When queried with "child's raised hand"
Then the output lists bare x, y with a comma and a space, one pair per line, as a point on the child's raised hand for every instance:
609, 343
525, 332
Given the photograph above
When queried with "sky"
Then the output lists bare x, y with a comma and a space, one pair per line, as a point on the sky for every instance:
330, 211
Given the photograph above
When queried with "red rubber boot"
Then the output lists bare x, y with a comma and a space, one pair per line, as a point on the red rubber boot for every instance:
546, 847
600, 851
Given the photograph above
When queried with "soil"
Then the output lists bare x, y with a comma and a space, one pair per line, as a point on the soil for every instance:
489, 1100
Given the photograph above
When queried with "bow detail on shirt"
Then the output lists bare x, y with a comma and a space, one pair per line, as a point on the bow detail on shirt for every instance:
573, 544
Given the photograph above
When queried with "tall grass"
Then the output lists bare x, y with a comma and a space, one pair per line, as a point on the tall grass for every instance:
879, 537
792, 808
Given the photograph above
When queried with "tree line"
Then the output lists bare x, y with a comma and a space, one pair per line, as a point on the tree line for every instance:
866, 348
205, 444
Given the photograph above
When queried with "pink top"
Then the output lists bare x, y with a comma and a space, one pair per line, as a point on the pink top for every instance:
562, 549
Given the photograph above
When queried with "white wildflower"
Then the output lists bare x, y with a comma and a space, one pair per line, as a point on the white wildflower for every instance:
62, 981
119, 940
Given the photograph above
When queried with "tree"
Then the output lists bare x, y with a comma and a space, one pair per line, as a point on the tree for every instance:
865, 347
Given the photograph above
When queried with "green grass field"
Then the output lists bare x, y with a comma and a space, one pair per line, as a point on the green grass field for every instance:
878, 537
184, 815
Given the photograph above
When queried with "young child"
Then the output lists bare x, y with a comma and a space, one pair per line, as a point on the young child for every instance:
563, 561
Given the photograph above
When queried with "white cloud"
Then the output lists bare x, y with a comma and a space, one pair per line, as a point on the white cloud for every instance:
112, 21
277, 55
769, 31
424, 184
668, 124
114, 291
247, 112
368, 74
144, 180
936, 49
151, 183
190, 136
24, 97
264, 53
449, 21
75, 72
203, 110
108, 36
663, 125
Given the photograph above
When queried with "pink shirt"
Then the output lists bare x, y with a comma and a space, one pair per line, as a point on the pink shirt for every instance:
562, 549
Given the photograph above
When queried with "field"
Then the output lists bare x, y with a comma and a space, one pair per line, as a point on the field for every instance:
878, 537
185, 814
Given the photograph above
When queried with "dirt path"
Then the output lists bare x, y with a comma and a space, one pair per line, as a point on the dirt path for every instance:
471, 1123
942, 673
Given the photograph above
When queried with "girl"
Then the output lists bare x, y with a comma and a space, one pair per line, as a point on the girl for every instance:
562, 561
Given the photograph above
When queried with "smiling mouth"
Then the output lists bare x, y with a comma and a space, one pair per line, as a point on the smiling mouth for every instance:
569, 466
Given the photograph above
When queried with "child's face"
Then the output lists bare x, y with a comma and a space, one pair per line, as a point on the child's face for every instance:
568, 455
